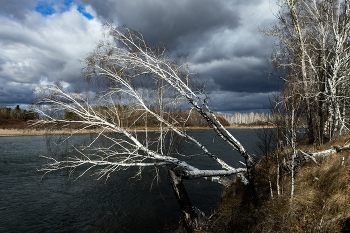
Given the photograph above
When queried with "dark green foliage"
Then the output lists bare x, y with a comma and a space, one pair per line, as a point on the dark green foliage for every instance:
71, 116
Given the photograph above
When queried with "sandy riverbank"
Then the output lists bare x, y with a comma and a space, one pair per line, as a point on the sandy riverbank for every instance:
30, 132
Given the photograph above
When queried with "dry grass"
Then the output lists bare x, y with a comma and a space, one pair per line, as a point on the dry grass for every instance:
34, 132
321, 201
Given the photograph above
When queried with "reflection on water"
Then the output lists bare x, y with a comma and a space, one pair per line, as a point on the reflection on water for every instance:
119, 205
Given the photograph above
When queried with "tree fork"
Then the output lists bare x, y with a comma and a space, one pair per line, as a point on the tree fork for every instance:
248, 159
192, 217
251, 184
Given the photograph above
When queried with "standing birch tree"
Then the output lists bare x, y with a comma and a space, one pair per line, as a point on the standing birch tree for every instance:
312, 43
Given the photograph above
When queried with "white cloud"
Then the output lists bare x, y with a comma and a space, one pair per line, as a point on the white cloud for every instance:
241, 41
40, 50
46, 45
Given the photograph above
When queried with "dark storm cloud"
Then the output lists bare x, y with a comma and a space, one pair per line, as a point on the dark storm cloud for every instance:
176, 23
16, 9
257, 48
221, 38
226, 101
219, 49
246, 75
15, 93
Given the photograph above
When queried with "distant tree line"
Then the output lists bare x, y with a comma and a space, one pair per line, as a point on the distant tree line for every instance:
17, 113
15, 117
247, 118
130, 116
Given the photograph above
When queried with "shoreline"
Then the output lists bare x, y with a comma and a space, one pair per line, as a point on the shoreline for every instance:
33, 132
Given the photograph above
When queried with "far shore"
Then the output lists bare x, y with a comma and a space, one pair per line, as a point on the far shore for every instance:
33, 132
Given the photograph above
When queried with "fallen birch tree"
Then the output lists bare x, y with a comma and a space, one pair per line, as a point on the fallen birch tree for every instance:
304, 156
129, 71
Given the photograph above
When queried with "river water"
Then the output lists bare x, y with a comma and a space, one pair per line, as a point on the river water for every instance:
56, 204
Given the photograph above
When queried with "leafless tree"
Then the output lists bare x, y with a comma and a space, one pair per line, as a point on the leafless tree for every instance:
279, 142
266, 147
313, 43
150, 82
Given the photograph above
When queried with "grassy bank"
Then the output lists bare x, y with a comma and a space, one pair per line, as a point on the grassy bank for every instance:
321, 201
32, 132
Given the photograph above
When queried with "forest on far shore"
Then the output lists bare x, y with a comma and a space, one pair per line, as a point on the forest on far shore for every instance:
15, 118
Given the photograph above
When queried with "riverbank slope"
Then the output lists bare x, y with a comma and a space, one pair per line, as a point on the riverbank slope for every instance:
321, 200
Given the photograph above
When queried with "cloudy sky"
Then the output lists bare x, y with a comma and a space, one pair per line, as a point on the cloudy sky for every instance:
43, 41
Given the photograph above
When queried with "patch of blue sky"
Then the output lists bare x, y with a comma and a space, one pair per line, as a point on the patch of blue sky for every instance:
68, 2
46, 8
66, 5
84, 12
